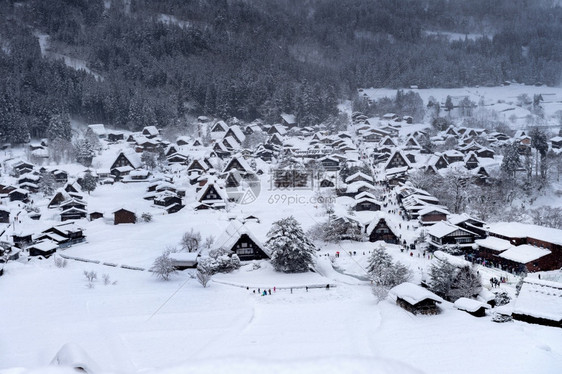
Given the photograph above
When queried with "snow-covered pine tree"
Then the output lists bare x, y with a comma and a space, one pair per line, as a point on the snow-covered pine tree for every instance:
384, 273
291, 250
466, 283
84, 150
451, 282
47, 184
441, 277
59, 127
379, 261
511, 160
88, 182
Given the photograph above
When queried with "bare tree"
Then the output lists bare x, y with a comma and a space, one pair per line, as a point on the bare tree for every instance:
163, 266
191, 241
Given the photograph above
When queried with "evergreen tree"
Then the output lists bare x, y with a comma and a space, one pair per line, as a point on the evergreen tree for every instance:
291, 250
84, 151
88, 182
449, 104
511, 161
379, 261
383, 272
452, 282
59, 127
47, 184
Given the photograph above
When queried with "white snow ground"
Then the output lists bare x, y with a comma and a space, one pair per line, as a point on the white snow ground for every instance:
143, 323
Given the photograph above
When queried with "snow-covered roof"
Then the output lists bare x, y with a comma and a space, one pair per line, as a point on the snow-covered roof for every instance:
361, 175
469, 305
432, 208
237, 228
151, 130
413, 294
494, 243
453, 260
289, 118
524, 253
45, 245
355, 186
442, 228
521, 230
98, 129
540, 299
74, 356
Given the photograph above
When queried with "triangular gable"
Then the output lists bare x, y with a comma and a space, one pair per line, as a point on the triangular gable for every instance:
397, 160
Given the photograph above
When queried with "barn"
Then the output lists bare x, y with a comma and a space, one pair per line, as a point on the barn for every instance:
416, 299
124, 216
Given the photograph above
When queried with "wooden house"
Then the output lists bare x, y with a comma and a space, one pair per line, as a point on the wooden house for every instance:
19, 194
235, 132
115, 136
65, 234
219, 126
45, 248
471, 161
22, 167
60, 176
471, 306
379, 229
366, 204
438, 161
95, 215
211, 196
241, 240
432, 214
330, 163
452, 155
71, 213
556, 142
97, 130
126, 159
397, 160
359, 177
444, 233
4, 215
288, 120
150, 132
416, 299
239, 163
123, 215
539, 302
484, 152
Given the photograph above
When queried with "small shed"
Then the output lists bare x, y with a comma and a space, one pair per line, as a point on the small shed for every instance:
416, 299
124, 216
473, 307
184, 260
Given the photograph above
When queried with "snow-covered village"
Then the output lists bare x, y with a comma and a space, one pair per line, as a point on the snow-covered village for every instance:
408, 229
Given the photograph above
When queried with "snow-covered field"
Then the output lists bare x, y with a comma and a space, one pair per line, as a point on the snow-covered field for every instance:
501, 99
142, 323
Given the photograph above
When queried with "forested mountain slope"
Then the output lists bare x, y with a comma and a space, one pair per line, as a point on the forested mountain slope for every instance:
163, 59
